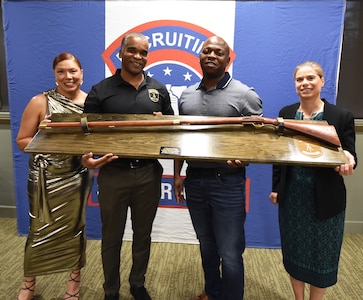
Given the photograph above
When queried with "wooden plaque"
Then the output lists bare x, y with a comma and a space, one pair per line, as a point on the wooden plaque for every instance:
248, 143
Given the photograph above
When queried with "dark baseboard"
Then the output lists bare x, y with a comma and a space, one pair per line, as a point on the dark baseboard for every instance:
7, 211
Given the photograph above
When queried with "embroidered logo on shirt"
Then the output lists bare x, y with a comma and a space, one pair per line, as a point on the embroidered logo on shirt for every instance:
154, 95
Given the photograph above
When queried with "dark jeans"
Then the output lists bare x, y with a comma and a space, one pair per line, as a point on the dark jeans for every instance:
216, 202
120, 188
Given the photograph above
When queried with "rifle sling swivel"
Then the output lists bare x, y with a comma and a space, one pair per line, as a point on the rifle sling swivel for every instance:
280, 125
84, 125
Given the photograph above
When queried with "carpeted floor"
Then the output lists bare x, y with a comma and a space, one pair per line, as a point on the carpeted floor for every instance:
175, 271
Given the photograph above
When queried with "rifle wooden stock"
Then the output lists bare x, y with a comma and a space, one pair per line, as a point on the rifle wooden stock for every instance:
321, 131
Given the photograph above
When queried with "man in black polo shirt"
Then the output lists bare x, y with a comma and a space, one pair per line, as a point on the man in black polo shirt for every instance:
123, 183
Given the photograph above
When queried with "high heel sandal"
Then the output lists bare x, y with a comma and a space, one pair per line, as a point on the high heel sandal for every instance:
75, 278
30, 287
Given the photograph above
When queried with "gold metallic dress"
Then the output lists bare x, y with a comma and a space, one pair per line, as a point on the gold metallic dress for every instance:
58, 187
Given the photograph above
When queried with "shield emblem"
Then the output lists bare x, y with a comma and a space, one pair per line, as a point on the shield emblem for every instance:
154, 95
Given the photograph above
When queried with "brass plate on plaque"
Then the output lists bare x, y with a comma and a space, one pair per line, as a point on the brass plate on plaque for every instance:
246, 142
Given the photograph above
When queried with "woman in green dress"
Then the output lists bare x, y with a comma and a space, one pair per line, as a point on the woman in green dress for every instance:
58, 187
312, 200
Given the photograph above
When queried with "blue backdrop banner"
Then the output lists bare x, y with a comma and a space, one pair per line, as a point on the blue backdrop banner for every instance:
268, 39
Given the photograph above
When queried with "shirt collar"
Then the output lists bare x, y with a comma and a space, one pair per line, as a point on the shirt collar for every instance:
221, 84
118, 79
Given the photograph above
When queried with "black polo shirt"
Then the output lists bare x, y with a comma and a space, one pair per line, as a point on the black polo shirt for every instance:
115, 96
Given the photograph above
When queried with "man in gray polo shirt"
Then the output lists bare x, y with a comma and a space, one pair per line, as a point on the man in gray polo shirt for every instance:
215, 191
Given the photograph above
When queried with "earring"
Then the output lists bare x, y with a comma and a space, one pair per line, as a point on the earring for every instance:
56, 83
81, 81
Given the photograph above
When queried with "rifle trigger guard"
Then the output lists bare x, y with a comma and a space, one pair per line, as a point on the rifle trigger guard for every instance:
258, 125
84, 125
280, 125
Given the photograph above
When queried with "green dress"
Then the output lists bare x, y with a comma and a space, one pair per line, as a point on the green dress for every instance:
58, 187
310, 247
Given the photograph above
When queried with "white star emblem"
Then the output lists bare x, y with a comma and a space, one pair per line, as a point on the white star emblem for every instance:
167, 71
187, 76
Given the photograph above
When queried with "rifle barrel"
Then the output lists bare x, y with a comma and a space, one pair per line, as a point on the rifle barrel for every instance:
323, 132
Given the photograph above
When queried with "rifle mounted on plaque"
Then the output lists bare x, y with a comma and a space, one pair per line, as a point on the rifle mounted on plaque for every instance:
252, 139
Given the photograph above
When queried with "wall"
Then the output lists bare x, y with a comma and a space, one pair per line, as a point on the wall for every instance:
7, 196
354, 184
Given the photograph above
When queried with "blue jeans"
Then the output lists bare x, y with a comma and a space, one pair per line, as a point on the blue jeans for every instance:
216, 202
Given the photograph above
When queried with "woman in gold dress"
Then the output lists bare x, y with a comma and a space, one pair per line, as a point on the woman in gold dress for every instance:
58, 187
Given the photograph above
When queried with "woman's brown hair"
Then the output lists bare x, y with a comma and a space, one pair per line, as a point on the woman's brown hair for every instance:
65, 56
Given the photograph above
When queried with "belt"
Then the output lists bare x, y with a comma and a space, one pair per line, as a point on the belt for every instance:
127, 163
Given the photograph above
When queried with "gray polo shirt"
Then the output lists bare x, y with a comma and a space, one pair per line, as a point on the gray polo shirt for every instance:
230, 98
